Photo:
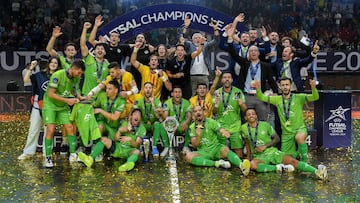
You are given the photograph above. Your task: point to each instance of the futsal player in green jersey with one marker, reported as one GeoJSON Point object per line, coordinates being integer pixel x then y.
{"type": "Point", "coordinates": [151, 111]}
{"type": "Point", "coordinates": [126, 145]}
{"type": "Point", "coordinates": [96, 66]}
{"type": "Point", "coordinates": [63, 91]}
{"type": "Point", "coordinates": [261, 138]}
{"type": "Point", "coordinates": [69, 51]}
{"type": "Point", "coordinates": [108, 108]}
{"type": "Point", "coordinates": [204, 133]}
{"type": "Point", "coordinates": [181, 109]}
{"type": "Point", "coordinates": [229, 101]}
{"type": "Point", "coordinates": [290, 110]}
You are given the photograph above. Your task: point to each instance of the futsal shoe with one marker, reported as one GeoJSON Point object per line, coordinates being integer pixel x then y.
{"type": "Point", "coordinates": [321, 172]}
{"type": "Point", "coordinates": [222, 163]}
{"type": "Point", "coordinates": [128, 166]}
{"type": "Point", "coordinates": [87, 160]}
{"type": "Point", "coordinates": [245, 167]}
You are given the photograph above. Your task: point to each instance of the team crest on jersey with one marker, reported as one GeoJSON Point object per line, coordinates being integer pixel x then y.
{"type": "Point", "coordinates": [55, 80]}
{"type": "Point", "coordinates": [146, 52]}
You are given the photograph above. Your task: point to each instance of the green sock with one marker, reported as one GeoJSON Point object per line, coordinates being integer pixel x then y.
{"type": "Point", "coordinates": [265, 168]}
{"type": "Point", "coordinates": [156, 134]}
{"type": "Point", "coordinates": [98, 148]}
{"type": "Point", "coordinates": [164, 136]}
{"type": "Point", "coordinates": [200, 161]}
{"type": "Point", "coordinates": [302, 166]}
{"type": "Point", "coordinates": [133, 158]}
{"type": "Point", "coordinates": [303, 151]}
{"type": "Point", "coordinates": [72, 143]}
{"type": "Point", "coordinates": [233, 158]}
{"type": "Point", "coordinates": [48, 146]}
{"type": "Point", "coordinates": [187, 139]}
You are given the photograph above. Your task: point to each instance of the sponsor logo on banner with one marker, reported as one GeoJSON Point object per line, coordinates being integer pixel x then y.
{"type": "Point", "coordinates": [337, 121]}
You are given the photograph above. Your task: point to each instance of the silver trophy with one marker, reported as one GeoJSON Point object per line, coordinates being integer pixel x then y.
{"type": "Point", "coordinates": [146, 143]}
{"type": "Point", "coordinates": [170, 124]}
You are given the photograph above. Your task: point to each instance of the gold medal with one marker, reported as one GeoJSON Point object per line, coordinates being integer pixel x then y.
{"type": "Point", "coordinates": [149, 122]}
{"type": "Point", "coordinates": [287, 123]}
{"type": "Point", "coordinates": [200, 126]}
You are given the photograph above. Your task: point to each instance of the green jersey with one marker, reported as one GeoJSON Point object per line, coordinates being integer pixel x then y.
{"type": "Point", "coordinates": [228, 113]}
{"type": "Point", "coordinates": [65, 63]}
{"type": "Point", "coordinates": [258, 136]}
{"type": "Point", "coordinates": [290, 110]}
{"type": "Point", "coordinates": [178, 110]}
{"type": "Point", "coordinates": [65, 87]}
{"type": "Point", "coordinates": [94, 73]}
{"type": "Point", "coordinates": [147, 110]}
{"type": "Point", "coordinates": [136, 132]}
{"type": "Point", "coordinates": [209, 134]}
{"type": "Point", "coordinates": [111, 106]}
{"type": "Point", "coordinates": [83, 115]}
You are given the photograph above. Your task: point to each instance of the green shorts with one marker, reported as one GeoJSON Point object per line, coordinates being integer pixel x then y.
{"type": "Point", "coordinates": [56, 117]}
{"type": "Point", "coordinates": [271, 156]}
{"type": "Point", "coordinates": [117, 150]}
{"type": "Point", "coordinates": [212, 154]}
{"type": "Point", "coordinates": [288, 142]}
{"type": "Point", "coordinates": [107, 128]}
{"type": "Point", "coordinates": [236, 141]}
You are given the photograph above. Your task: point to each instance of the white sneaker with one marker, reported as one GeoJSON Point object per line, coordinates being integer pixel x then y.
{"type": "Point", "coordinates": [48, 162]}
{"type": "Point", "coordinates": [321, 172]}
{"type": "Point", "coordinates": [24, 156]}
{"type": "Point", "coordinates": [288, 168]}
{"type": "Point", "coordinates": [222, 163]}
{"type": "Point", "coordinates": [186, 150]}
{"type": "Point", "coordinates": [73, 158]}
{"type": "Point", "coordinates": [99, 157]}
{"type": "Point", "coordinates": [279, 168]}
{"type": "Point", "coordinates": [164, 152]}
{"type": "Point", "coordinates": [245, 167]}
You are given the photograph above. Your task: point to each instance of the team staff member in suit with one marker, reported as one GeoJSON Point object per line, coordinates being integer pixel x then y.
{"type": "Point", "coordinates": [253, 69]}
{"type": "Point", "coordinates": [290, 67]}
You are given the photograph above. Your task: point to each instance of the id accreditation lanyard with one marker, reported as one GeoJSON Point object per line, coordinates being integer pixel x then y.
{"type": "Point", "coordinates": [177, 113]}
{"type": "Point", "coordinates": [256, 134]}
{"type": "Point", "coordinates": [287, 110]}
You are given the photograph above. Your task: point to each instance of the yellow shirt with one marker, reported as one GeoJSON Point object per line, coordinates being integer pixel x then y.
{"type": "Point", "coordinates": [154, 78]}
{"type": "Point", "coordinates": [206, 104]}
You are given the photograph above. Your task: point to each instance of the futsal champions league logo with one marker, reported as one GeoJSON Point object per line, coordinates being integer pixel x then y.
{"type": "Point", "coordinates": [337, 121]}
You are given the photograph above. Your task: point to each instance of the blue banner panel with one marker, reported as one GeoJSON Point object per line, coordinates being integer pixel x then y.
{"type": "Point", "coordinates": [333, 119]}
{"type": "Point", "coordinates": [166, 16]}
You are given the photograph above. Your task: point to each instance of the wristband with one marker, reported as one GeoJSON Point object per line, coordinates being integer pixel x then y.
{"type": "Point", "coordinates": [163, 78]}
{"type": "Point", "coordinates": [128, 93]}
{"type": "Point", "coordinates": [136, 49]}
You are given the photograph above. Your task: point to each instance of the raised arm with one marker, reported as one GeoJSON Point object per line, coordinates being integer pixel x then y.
{"type": "Point", "coordinates": [314, 92]}
{"type": "Point", "coordinates": [83, 47]}
{"type": "Point", "coordinates": [98, 22]}
{"type": "Point", "coordinates": [216, 80]}
{"type": "Point", "coordinates": [50, 46]}
{"type": "Point", "coordinates": [199, 49]}
{"type": "Point", "coordinates": [29, 71]}
{"type": "Point", "coordinates": [133, 58]}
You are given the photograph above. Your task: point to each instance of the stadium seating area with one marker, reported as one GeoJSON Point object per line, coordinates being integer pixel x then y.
{"type": "Point", "coordinates": [27, 24]}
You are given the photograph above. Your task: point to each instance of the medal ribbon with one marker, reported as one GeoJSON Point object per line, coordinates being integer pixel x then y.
{"type": "Point", "coordinates": [226, 103]}
{"type": "Point", "coordinates": [286, 111]}
{"type": "Point", "coordinates": [177, 114]}
{"type": "Point", "coordinates": [256, 134]}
